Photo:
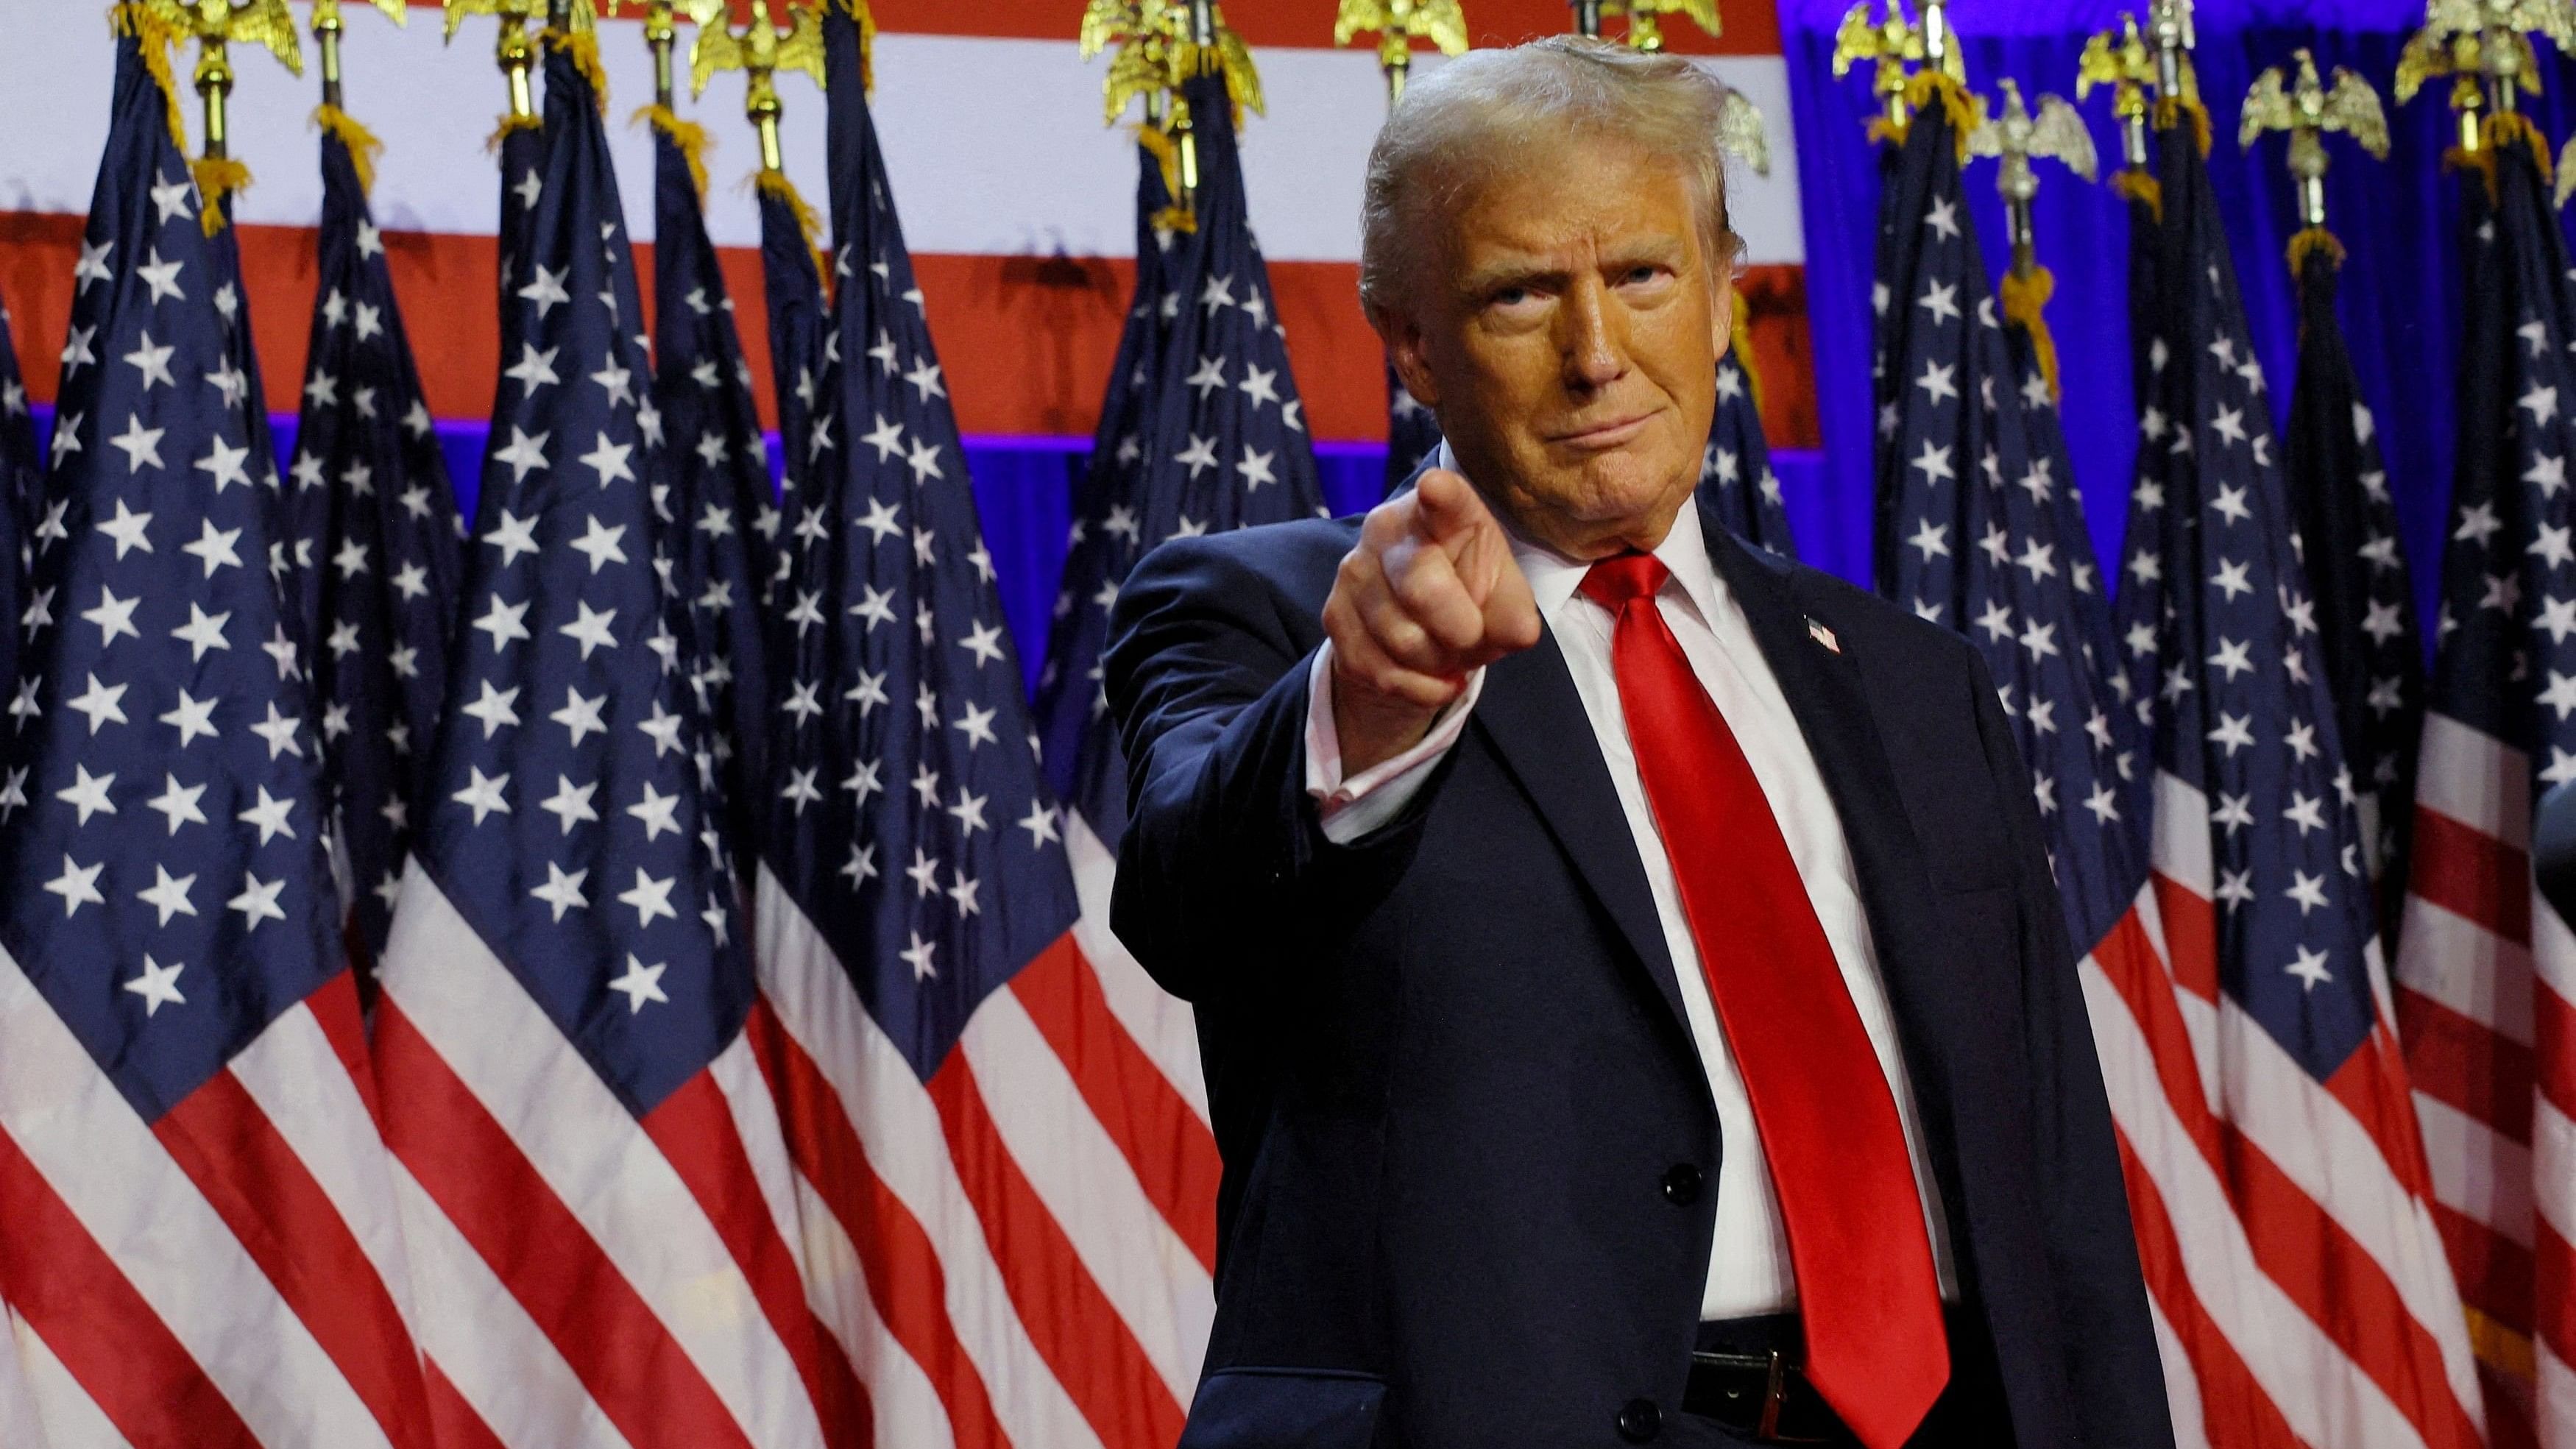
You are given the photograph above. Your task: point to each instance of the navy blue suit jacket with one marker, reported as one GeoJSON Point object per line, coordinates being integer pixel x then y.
{"type": "Point", "coordinates": [1469, 1146]}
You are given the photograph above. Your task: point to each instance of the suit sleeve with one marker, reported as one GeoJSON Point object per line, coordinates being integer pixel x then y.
{"type": "Point", "coordinates": [2111, 1361]}
{"type": "Point", "coordinates": [1225, 870]}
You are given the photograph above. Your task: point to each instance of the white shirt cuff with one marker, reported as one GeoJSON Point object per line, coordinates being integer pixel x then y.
{"type": "Point", "coordinates": [1359, 806]}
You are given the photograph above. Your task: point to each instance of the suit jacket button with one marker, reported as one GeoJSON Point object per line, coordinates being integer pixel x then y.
{"type": "Point", "coordinates": [1640, 1420]}
{"type": "Point", "coordinates": [1681, 1184]}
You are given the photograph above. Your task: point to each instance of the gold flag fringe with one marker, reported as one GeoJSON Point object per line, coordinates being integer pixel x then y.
{"type": "Point", "coordinates": [858, 10]}
{"type": "Point", "coordinates": [1933, 85]}
{"type": "Point", "coordinates": [775, 184]}
{"type": "Point", "coordinates": [2500, 130]}
{"type": "Point", "coordinates": [2139, 184]}
{"type": "Point", "coordinates": [2309, 242]}
{"type": "Point", "coordinates": [689, 136]}
{"type": "Point", "coordinates": [156, 38]}
{"type": "Point", "coordinates": [509, 124]}
{"type": "Point", "coordinates": [2025, 298]}
{"type": "Point", "coordinates": [217, 177]}
{"type": "Point", "coordinates": [1739, 343]}
{"type": "Point", "coordinates": [362, 143]}
{"type": "Point", "coordinates": [2170, 111]}
{"type": "Point", "coordinates": [583, 47]}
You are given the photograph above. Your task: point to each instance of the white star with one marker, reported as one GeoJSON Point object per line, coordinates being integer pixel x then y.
{"type": "Point", "coordinates": [608, 460]}
{"type": "Point", "coordinates": [269, 815]}
{"type": "Point", "coordinates": [279, 731]}
{"type": "Point", "coordinates": [2234, 732]}
{"type": "Point", "coordinates": [1941, 299]}
{"type": "Point", "coordinates": [800, 790]}
{"type": "Point", "coordinates": [92, 266]}
{"type": "Point", "coordinates": [2542, 402]}
{"type": "Point", "coordinates": [504, 622]}
{"type": "Point", "coordinates": [1935, 462]}
{"type": "Point", "coordinates": [159, 984]}
{"type": "Point", "coordinates": [88, 793]}
{"type": "Point", "coordinates": [113, 616]}
{"type": "Point", "coordinates": [2234, 657]}
{"type": "Point", "coordinates": [641, 983]}
{"type": "Point", "coordinates": [617, 382]}
{"type": "Point", "coordinates": [663, 728]}
{"type": "Point", "coordinates": [2103, 803]}
{"type": "Point", "coordinates": [179, 803]}
{"type": "Point", "coordinates": [483, 794]}
{"type": "Point", "coordinates": [923, 459]}
{"type": "Point", "coordinates": [657, 811]}
{"type": "Point", "coordinates": [1201, 453]}
{"type": "Point", "coordinates": [258, 901]}
{"type": "Point", "coordinates": [649, 897]}
{"type": "Point", "coordinates": [2231, 578]}
{"type": "Point", "coordinates": [513, 536]}
{"type": "Point", "coordinates": [100, 703]}
{"type": "Point", "coordinates": [1936, 383]}
{"type": "Point", "coordinates": [494, 709]}
{"type": "Point", "coordinates": [547, 290]}
{"type": "Point", "coordinates": [77, 885]}
{"type": "Point", "coordinates": [1040, 824]}
{"type": "Point", "coordinates": [984, 641]}
{"type": "Point", "coordinates": [590, 628]}
{"type": "Point", "coordinates": [802, 701]}
{"type": "Point", "coordinates": [562, 889]}
{"type": "Point", "coordinates": [918, 957]}
{"type": "Point", "coordinates": [969, 811]}
{"type": "Point", "coordinates": [2310, 968]}
{"type": "Point", "coordinates": [152, 362]}
{"type": "Point", "coordinates": [977, 726]}
{"type": "Point", "coordinates": [534, 369]}
{"type": "Point", "coordinates": [925, 376]}
{"type": "Point", "coordinates": [2305, 812]}
{"type": "Point", "coordinates": [162, 277]}
{"type": "Point", "coordinates": [524, 453]}
{"type": "Point", "coordinates": [141, 445]}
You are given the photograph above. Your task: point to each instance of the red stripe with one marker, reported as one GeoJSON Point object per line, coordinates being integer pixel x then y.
{"type": "Point", "coordinates": [2298, 1244]}
{"type": "Point", "coordinates": [336, 1010]}
{"type": "Point", "coordinates": [454, 1422]}
{"type": "Point", "coordinates": [2462, 1063]}
{"type": "Point", "coordinates": [697, 1135]}
{"type": "Point", "coordinates": [2470, 873]}
{"type": "Point", "coordinates": [110, 1341]}
{"type": "Point", "coordinates": [1075, 1327]}
{"type": "Point", "coordinates": [2234, 1410]}
{"type": "Point", "coordinates": [904, 1277]}
{"type": "Point", "coordinates": [2191, 937]}
{"type": "Point", "coordinates": [269, 1199]}
{"type": "Point", "coordinates": [2372, 1085]}
{"type": "Point", "coordinates": [2494, 1272]}
{"type": "Point", "coordinates": [2554, 1291]}
{"type": "Point", "coordinates": [1027, 341]}
{"type": "Point", "coordinates": [636, 1372]}
{"type": "Point", "coordinates": [1172, 1151]}
{"type": "Point", "coordinates": [2553, 1033]}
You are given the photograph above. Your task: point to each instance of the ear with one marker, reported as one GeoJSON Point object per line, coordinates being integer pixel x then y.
{"type": "Point", "coordinates": [1721, 309]}
{"type": "Point", "coordinates": [1402, 333]}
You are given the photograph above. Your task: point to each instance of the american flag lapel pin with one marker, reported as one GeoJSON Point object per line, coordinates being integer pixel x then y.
{"type": "Point", "coordinates": [1824, 636]}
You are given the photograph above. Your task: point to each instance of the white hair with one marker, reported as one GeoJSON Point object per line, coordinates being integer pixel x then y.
{"type": "Point", "coordinates": [1467, 120]}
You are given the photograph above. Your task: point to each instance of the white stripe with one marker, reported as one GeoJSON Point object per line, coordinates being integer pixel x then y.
{"type": "Point", "coordinates": [904, 1407]}
{"type": "Point", "coordinates": [2553, 1156]}
{"type": "Point", "coordinates": [494, 1355]}
{"type": "Point", "coordinates": [149, 1218]}
{"type": "Point", "coordinates": [2323, 1395]}
{"type": "Point", "coordinates": [755, 1120]}
{"type": "Point", "coordinates": [2319, 1145]}
{"type": "Point", "coordinates": [305, 1091]}
{"type": "Point", "coordinates": [18, 1423]}
{"type": "Point", "coordinates": [1037, 173]}
{"type": "Point", "coordinates": [1148, 1274]}
{"type": "Point", "coordinates": [2181, 835]}
{"type": "Point", "coordinates": [2553, 948]}
{"type": "Point", "coordinates": [71, 1419]}
{"type": "Point", "coordinates": [2475, 778]}
{"type": "Point", "coordinates": [2478, 1172]}
{"type": "Point", "coordinates": [593, 1155]}
{"type": "Point", "coordinates": [2182, 1382]}
{"type": "Point", "coordinates": [2447, 958]}
{"type": "Point", "coordinates": [2554, 1401]}
{"type": "Point", "coordinates": [1161, 1024]}
{"type": "Point", "coordinates": [899, 1128]}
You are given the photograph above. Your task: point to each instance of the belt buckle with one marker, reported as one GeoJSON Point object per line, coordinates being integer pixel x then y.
{"type": "Point", "coordinates": [1775, 1396]}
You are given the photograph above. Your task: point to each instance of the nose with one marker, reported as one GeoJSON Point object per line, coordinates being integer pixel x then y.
{"type": "Point", "coordinates": [1592, 337]}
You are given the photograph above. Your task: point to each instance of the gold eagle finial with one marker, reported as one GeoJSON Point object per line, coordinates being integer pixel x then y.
{"type": "Point", "coordinates": [2307, 108]}
{"type": "Point", "coordinates": [1645, 18]}
{"type": "Point", "coordinates": [1398, 24]}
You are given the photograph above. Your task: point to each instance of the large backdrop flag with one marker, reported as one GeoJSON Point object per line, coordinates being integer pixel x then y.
{"type": "Point", "coordinates": [595, 1189]}
{"type": "Point", "coordinates": [721, 511]}
{"type": "Point", "coordinates": [368, 494]}
{"type": "Point", "coordinates": [2486, 970]}
{"type": "Point", "coordinates": [201, 1228]}
{"type": "Point", "coordinates": [2275, 1168]}
{"type": "Point", "coordinates": [986, 1154]}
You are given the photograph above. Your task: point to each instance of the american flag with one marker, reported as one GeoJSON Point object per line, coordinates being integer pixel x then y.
{"type": "Point", "coordinates": [2048, 451]}
{"type": "Point", "coordinates": [996, 1221]}
{"type": "Point", "coordinates": [368, 485]}
{"type": "Point", "coordinates": [2486, 972]}
{"type": "Point", "coordinates": [1977, 505]}
{"type": "Point", "coordinates": [804, 359]}
{"type": "Point", "coordinates": [1735, 467]}
{"type": "Point", "coordinates": [595, 1193]}
{"type": "Point", "coordinates": [2276, 1179]}
{"type": "Point", "coordinates": [22, 482]}
{"type": "Point", "coordinates": [726, 516]}
{"type": "Point", "coordinates": [202, 1240]}
{"type": "Point", "coordinates": [2347, 529]}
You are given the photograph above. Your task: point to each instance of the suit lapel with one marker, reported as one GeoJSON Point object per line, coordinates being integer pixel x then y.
{"type": "Point", "coordinates": [1536, 722]}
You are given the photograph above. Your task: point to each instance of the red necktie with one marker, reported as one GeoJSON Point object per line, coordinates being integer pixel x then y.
{"type": "Point", "coordinates": [1869, 1301]}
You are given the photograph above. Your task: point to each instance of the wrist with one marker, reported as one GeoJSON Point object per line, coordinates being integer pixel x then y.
{"type": "Point", "coordinates": [1373, 727]}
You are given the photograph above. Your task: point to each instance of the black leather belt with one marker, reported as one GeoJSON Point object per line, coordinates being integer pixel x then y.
{"type": "Point", "coordinates": [1761, 1395]}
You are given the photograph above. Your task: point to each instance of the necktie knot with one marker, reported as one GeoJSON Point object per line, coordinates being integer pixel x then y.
{"type": "Point", "coordinates": [1621, 577]}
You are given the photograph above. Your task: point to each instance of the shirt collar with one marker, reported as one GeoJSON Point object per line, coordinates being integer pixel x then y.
{"type": "Point", "coordinates": [1554, 579]}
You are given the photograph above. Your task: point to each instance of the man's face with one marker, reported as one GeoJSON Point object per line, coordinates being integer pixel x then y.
{"type": "Point", "coordinates": [1567, 329]}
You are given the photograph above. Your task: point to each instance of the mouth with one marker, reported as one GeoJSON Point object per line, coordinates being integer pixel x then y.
{"type": "Point", "coordinates": [1603, 436]}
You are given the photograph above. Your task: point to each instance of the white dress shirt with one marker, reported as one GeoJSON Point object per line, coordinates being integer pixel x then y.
{"type": "Point", "coordinates": [1749, 1270]}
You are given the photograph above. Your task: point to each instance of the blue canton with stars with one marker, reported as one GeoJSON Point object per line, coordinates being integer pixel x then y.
{"type": "Point", "coordinates": [906, 816]}
{"type": "Point", "coordinates": [1216, 442]}
{"type": "Point", "coordinates": [2506, 663]}
{"type": "Point", "coordinates": [2223, 659]}
{"type": "Point", "coordinates": [22, 482]}
{"type": "Point", "coordinates": [163, 874]}
{"type": "Point", "coordinates": [1977, 509]}
{"type": "Point", "coordinates": [2048, 449]}
{"type": "Point", "coordinates": [368, 489]}
{"type": "Point", "coordinates": [2365, 598]}
{"type": "Point", "coordinates": [721, 502]}
{"type": "Point", "coordinates": [1735, 467]}
{"type": "Point", "coordinates": [804, 356]}
{"type": "Point", "coordinates": [568, 821]}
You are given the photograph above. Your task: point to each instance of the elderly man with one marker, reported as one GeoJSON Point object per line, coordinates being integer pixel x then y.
{"type": "Point", "coordinates": [1635, 1003]}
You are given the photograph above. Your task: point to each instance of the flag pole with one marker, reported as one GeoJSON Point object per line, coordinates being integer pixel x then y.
{"type": "Point", "coordinates": [1891, 43]}
{"type": "Point", "coordinates": [1398, 24]}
